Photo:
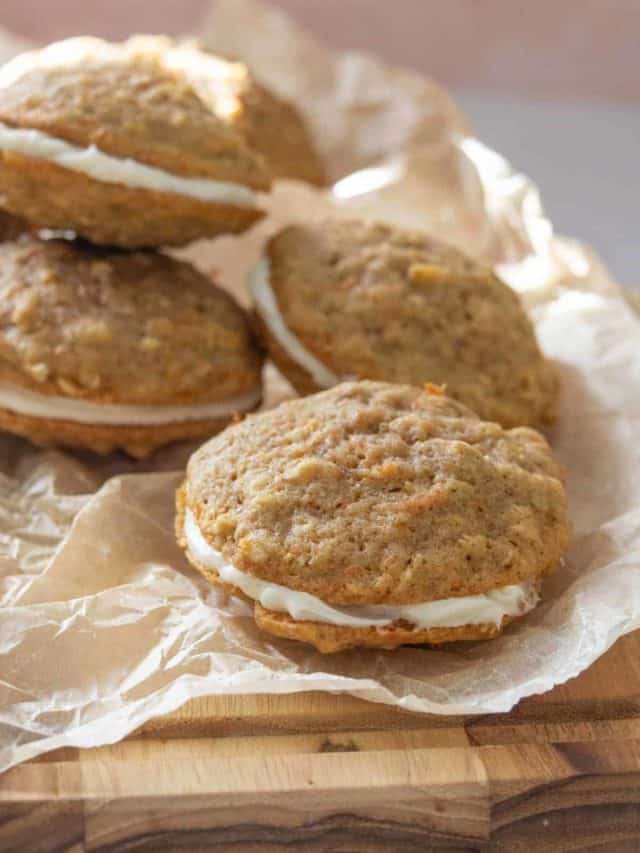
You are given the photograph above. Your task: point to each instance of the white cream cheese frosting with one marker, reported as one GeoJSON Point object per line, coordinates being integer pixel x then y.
{"type": "Point", "coordinates": [25, 402]}
{"type": "Point", "coordinates": [487, 608]}
{"type": "Point", "coordinates": [103, 167]}
{"type": "Point", "coordinates": [267, 306]}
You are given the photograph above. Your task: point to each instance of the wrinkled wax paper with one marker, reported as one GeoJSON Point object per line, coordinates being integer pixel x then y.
{"type": "Point", "coordinates": [104, 626]}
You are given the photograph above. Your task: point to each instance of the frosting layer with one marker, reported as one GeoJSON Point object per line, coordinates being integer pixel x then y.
{"type": "Point", "coordinates": [25, 402]}
{"type": "Point", "coordinates": [96, 164]}
{"type": "Point", "coordinates": [488, 608]}
{"type": "Point", "coordinates": [267, 307]}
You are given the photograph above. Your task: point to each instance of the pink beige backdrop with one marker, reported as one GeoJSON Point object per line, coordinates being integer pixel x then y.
{"type": "Point", "coordinates": [546, 47]}
{"type": "Point", "coordinates": [553, 85]}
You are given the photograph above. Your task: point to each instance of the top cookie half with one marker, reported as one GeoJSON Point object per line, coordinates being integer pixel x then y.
{"type": "Point", "coordinates": [269, 124]}
{"type": "Point", "coordinates": [344, 299]}
{"type": "Point", "coordinates": [115, 143]}
{"type": "Point", "coordinates": [374, 493]}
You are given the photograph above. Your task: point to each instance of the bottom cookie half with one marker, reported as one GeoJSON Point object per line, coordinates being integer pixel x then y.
{"type": "Point", "coordinates": [329, 638]}
{"type": "Point", "coordinates": [137, 441]}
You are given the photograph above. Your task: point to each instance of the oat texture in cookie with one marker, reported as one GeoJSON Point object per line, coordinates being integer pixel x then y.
{"type": "Point", "coordinates": [94, 342]}
{"type": "Point", "coordinates": [344, 299]}
{"type": "Point", "coordinates": [112, 142]}
{"type": "Point", "coordinates": [387, 514]}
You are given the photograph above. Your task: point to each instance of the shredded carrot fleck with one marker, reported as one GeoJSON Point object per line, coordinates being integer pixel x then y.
{"type": "Point", "coordinates": [437, 390]}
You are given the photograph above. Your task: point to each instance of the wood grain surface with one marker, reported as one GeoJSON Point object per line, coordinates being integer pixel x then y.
{"type": "Point", "coordinates": [317, 772]}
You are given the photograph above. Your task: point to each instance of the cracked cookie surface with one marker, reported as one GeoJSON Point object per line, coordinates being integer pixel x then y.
{"type": "Point", "coordinates": [372, 301]}
{"type": "Point", "coordinates": [372, 493]}
{"type": "Point", "coordinates": [123, 328]}
{"type": "Point", "coordinates": [129, 103]}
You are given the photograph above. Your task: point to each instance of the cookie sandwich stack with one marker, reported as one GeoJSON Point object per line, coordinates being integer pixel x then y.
{"type": "Point", "coordinates": [407, 499]}
{"type": "Point", "coordinates": [106, 342]}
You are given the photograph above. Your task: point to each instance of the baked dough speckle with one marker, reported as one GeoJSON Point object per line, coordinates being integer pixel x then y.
{"type": "Point", "coordinates": [126, 102]}
{"type": "Point", "coordinates": [269, 124]}
{"type": "Point", "coordinates": [373, 301]}
{"type": "Point", "coordinates": [337, 638]}
{"type": "Point", "coordinates": [372, 493]}
{"type": "Point", "coordinates": [124, 328]}
{"type": "Point", "coordinates": [274, 128]}
{"type": "Point", "coordinates": [119, 327]}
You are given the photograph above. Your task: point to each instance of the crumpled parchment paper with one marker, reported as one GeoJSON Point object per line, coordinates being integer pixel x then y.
{"type": "Point", "coordinates": [102, 623]}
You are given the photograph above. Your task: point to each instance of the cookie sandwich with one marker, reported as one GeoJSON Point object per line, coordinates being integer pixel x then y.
{"type": "Point", "coordinates": [113, 142]}
{"type": "Point", "coordinates": [348, 299]}
{"type": "Point", "coordinates": [375, 515]}
{"type": "Point", "coordinates": [107, 350]}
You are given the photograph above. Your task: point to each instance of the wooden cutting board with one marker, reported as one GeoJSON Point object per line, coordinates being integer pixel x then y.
{"type": "Point", "coordinates": [317, 772]}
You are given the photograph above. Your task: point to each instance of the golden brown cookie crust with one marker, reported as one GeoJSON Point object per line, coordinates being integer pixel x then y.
{"type": "Point", "coordinates": [49, 196]}
{"type": "Point", "coordinates": [129, 106]}
{"type": "Point", "coordinates": [119, 327]}
{"type": "Point", "coordinates": [137, 441]}
{"type": "Point", "coordinates": [373, 301]}
{"type": "Point", "coordinates": [275, 128]}
{"type": "Point", "coordinates": [335, 638]}
{"type": "Point", "coordinates": [270, 125]}
{"type": "Point", "coordinates": [374, 493]}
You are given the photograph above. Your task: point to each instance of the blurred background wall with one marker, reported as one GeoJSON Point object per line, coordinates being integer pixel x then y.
{"type": "Point", "coordinates": [553, 85]}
